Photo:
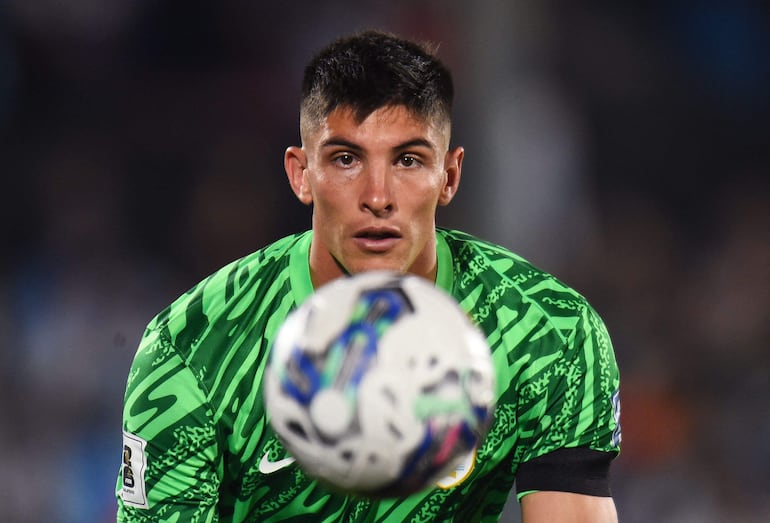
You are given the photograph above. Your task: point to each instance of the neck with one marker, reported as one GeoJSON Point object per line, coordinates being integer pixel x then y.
{"type": "Point", "coordinates": [324, 267]}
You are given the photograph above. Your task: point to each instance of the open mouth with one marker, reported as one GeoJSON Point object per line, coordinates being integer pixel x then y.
{"type": "Point", "coordinates": [377, 240]}
{"type": "Point", "coordinates": [376, 235]}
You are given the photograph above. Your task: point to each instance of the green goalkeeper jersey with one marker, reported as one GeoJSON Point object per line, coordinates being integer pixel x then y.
{"type": "Point", "coordinates": [197, 446]}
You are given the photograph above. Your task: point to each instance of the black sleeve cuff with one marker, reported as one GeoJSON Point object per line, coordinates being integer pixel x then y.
{"type": "Point", "coordinates": [579, 470]}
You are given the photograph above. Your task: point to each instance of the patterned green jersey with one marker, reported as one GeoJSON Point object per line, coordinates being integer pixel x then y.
{"type": "Point", "coordinates": [197, 444]}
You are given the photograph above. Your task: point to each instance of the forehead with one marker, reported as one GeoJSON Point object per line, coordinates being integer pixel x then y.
{"type": "Point", "coordinates": [390, 123]}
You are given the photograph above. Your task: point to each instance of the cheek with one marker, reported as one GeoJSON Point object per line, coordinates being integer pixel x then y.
{"type": "Point", "coordinates": [328, 199]}
{"type": "Point", "coordinates": [425, 199]}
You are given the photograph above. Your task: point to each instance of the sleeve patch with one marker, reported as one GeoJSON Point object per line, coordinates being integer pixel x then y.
{"type": "Point", "coordinates": [616, 434]}
{"type": "Point", "coordinates": [133, 468]}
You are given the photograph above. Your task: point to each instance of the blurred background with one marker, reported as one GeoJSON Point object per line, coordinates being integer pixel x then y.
{"type": "Point", "coordinates": [624, 147]}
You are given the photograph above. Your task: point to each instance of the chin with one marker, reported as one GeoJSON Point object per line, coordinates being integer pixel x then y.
{"type": "Point", "coordinates": [368, 266]}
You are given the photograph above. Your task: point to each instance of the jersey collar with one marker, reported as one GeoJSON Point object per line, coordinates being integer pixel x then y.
{"type": "Point", "coordinates": [299, 266]}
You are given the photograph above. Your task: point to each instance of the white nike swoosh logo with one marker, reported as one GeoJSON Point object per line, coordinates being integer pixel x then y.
{"type": "Point", "coordinates": [268, 467]}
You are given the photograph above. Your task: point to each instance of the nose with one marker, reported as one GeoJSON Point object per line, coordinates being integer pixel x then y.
{"type": "Point", "coordinates": [377, 194]}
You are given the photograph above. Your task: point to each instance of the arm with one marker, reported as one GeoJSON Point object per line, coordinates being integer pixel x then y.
{"type": "Point", "coordinates": [566, 507]}
{"type": "Point", "coordinates": [170, 468]}
{"type": "Point", "coordinates": [578, 427]}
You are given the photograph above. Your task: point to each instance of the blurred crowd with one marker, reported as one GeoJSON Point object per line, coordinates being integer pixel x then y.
{"type": "Point", "coordinates": [625, 148]}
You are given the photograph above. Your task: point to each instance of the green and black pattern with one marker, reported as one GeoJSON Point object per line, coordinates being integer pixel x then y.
{"type": "Point", "coordinates": [194, 391]}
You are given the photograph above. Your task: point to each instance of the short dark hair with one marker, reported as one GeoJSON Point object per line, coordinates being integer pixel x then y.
{"type": "Point", "coordinates": [371, 70]}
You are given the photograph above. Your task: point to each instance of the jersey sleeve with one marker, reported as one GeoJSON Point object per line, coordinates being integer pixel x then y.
{"type": "Point", "coordinates": [171, 468]}
{"type": "Point", "coordinates": [568, 410]}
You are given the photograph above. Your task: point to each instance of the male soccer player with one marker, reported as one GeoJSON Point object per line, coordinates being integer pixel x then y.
{"type": "Point", "coordinates": [375, 163]}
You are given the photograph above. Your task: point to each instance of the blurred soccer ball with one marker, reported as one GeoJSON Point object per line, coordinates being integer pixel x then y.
{"type": "Point", "coordinates": [379, 385]}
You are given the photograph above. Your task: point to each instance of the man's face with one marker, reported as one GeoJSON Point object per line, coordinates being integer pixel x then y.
{"type": "Point", "coordinates": [375, 186]}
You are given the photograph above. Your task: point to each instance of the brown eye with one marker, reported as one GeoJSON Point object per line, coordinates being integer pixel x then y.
{"type": "Point", "coordinates": [344, 160]}
{"type": "Point", "coordinates": [407, 161]}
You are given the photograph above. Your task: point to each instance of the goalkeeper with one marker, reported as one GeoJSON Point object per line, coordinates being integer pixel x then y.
{"type": "Point", "coordinates": [375, 162]}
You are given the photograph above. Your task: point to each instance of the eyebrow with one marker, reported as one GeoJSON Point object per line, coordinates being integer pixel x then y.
{"type": "Point", "coordinates": [417, 142]}
{"type": "Point", "coordinates": [341, 142]}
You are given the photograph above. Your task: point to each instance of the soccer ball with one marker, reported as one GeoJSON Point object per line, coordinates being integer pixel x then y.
{"type": "Point", "coordinates": [379, 385]}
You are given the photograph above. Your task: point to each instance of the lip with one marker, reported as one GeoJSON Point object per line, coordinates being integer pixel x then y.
{"type": "Point", "coordinates": [376, 239]}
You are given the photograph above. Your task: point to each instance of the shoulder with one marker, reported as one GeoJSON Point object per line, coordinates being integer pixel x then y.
{"type": "Point", "coordinates": [472, 256]}
{"type": "Point", "coordinates": [481, 267]}
{"type": "Point", "coordinates": [227, 298]}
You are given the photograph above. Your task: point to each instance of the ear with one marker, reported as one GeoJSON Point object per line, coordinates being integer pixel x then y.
{"type": "Point", "coordinates": [295, 164]}
{"type": "Point", "coordinates": [453, 166]}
